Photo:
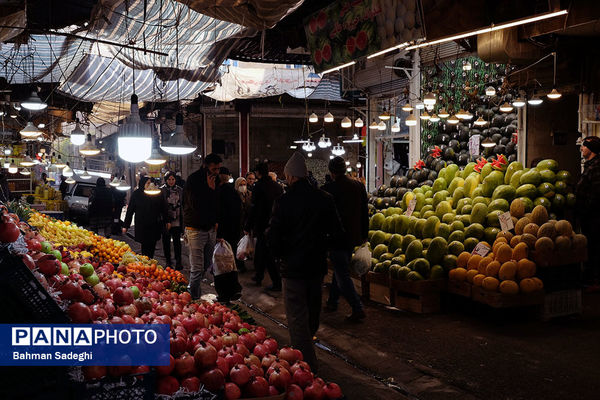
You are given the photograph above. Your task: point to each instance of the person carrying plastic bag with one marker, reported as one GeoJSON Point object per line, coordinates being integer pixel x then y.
{"type": "Point", "coordinates": [225, 272]}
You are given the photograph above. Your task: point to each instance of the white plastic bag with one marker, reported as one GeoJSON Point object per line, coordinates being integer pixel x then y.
{"type": "Point", "coordinates": [361, 260]}
{"type": "Point", "coordinates": [245, 248]}
{"type": "Point", "coordinates": [223, 258]}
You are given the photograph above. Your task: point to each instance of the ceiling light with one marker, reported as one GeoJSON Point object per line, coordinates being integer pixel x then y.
{"type": "Point", "coordinates": [25, 171]}
{"type": "Point", "coordinates": [6, 163]}
{"type": "Point", "coordinates": [396, 127]}
{"type": "Point", "coordinates": [338, 67]}
{"type": "Point", "coordinates": [86, 174]}
{"type": "Point", "coordinates": [466, 66]}
{"type": "Point", "coordinates": [425, 116]}
{"type": "Point", "coordinates": [309, 146]}
{"type": "Point", "coordinates": [379, 53]}
{"type": "Point", "coordinates": [17, 106]}
{"type": "Point", "coordinates": [443, 113]}
{"type": "Point", "coordinates": [519, 102]}
{"type": "Point", "coordinates": [429, 107]}
{"type": "Point", "coordinates": [155, 157]}
{"type": "Point", "coordinates": [468, 116]}
{"type": "Point", "coordinates": [88, 149]}
{"type": "Point", "coordinates": [27, 161]}
{"type": "Point", "coordinates": [41, 125]}
{"type": "Point", "coordinates": [178, 143]}
{"type": "Point", "coordinates": [358, 123]}
{"type": "Point", "coordinates": [30, 131]}
{"type": "Point", "coordinates": [554, 94]}
{"type": "Point", "coordinates": [488, 142]}
{"type": "Point", "coordinates": [59, 163]}
{"type": "Point", "coordinates": [70, 180]}
{"type": "Point", "coordinates": [13, 115]}
{"type": "Point", "coordinates": [7, 151]}
{"type": "Point", "coordinates": [313, 118]}
{"type": "Point", "coordinates": [123, 185]}
{"type": "Point", "coordinates": [382, 126]}
{"type": "Point", "coordinates": [535, 100]}
{"type": "Point", "coordinates": [324, 142]}
{"type": "Point", "coordinates": [34, 103]}
{"type": "Point", "coordinates": [480, 122]}
{"type": "Point", "coordinates": [358, 165]}
{"type": "Point", "coordinates": [355, 139]}
{"type": "Point", "coordinates": [411, 120]}
{"type": "Point", "coordinates": [490, 91]}
{"type": "Point", "coordinates": [346, 123]}
{"type": "Point", "coordinates": [12, 168]}
{"type": "Point", "coordinates": [374, 125]}
{"type": "Point", "coordinates": [434, 118]}
{"type": "Point", "coordinates": [506, 107]}
{"type": "Point", "coordinates": [135, 137]}
{"type": "Point", "coordinates": [77, 135]}
{"type": "Point", "coordinates": [293, 147]}
{"type": "Point", "coordinates": [429, 99]}
{"type": "Point", "coordinates": [115, 182]}
{"type": "Point", "coordinates": [338, 150]}
{"type": "Point", "coordinates": [407, 107]}
{"type": "Point", "coordinates": [328, 117]}
{"type": "Point", "coordinates": [67, 171]}
{"type": "Point", "coordinates": [331, 156]}
{"type": "Point", "coordinates": [419, 105]}
{"type": "Point", "coordinates": [461, 114]}
{"type": "Point", "coordinates": [385, 115]}
{"type": "Point", "coordinates": [309, 155]}
{"type": "Point", "coordinates": [453, 120]}
{"type": "Point", "coordinates": [152, 189]}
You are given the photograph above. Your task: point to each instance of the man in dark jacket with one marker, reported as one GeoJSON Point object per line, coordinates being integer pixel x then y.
{"type": "Point", "coordinates": [264, 194]}
{"type": "Point", "coordinates": [200, 212]}
{"type": "Point", "coordinates": [303, 227]}
{"type": "Point", "coordinates": [101, 208]}
{"type": "Point", "coordinates": [588, 204]}
{"type": "Point", "coordinates": [351, 202]}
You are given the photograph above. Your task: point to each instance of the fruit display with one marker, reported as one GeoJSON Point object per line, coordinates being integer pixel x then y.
{"type": "Point", "coordinates": [458, 210]}
{"type": "Point", "coordinates": [61, 232]}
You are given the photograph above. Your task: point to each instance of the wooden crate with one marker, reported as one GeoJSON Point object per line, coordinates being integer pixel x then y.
{"type": "Point", "coordinates": [458, 288]}
{"type": "Point", "coordinates": [376, 287]}
{"type": "Point", "coordinates": [420, 297]}
{"type": "Point", "coordinates": [562, 303]}
{"type": "Point", "coordinates": [556, 259]}
{"type": "Point", "coordinates": [501, 300]}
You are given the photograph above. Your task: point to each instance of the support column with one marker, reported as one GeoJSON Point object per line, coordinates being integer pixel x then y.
{"type": "Point", "coordinates": [244, 139]}
{"type": "Point", "coordinates": [207, 137]}
{"type": "Point", "coordinates": [414, 132]}
{"type": "Point", "coordinates": [522, 135]}
{"type": "Point", "coordinates": [380, 161]}
{"type": "Point", "coordinates": [371, 156]}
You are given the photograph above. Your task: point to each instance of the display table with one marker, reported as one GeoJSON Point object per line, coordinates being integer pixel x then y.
{"type": "Point", "coordinates": [60, 215]}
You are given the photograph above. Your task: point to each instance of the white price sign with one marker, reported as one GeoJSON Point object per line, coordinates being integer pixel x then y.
{"type": "Point", "coordinates": [481, 249]}
{"type": "Point", "coordinates": [506, 222]}
{"type": "Point", "coordinates": [411, 207]}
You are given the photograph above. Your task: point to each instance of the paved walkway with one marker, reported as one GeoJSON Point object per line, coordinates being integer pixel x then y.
{"type": "Point", "coordinates": [465, 352]}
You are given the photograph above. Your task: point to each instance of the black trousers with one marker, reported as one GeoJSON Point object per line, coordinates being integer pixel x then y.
{"type": "Point", "coordinates": [263, 260]}
{"type": "Point", "coordinates": [227, 286]}
{"type": "Point", "coordinates": [148, 247]}
{"type": "Point", "coordinates": [175, 234]}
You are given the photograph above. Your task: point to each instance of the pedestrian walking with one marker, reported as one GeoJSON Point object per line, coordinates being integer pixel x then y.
{"type": "Point", "coordinates": [101, 207]}
{"type": "Point", "coordinates": [251, 180]}
{"type": "Point", "coordinates": [241, 187]}
{"type": "Point", "coordinates": [351, 202]}
{"type": "Point", "coordinates": [150, 216]}
{"type": "Point", "coordinates": [200, 212]}
{"type": "Point", "coordinates": [266, 190]}
{"type": "Point", "coordinates": [173, 196]}
{"type": "Point", "coordinates": [63, 187]}
{"type": "Point", "coordinates": [588, 204]}
{"type": "Point", "coordinates": [303, 227]}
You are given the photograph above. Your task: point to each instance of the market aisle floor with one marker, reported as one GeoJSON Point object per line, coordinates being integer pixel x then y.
{"type": "Point", "coordinates": [465, 352]}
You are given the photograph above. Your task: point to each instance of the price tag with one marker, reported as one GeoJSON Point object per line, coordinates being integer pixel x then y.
{"type": "Point", "coordinates": [411, 207]}
{"type": "Point", "coordinates": [481, 249]}
{"type": "Point", "coordinates": [506, 223]}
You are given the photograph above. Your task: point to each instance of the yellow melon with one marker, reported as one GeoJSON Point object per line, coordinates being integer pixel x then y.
{"type": "Point", "coordinates": [525, 268]}
{"type": "Point", "coordinates": [528, 285]}
{"type": "Point", "coordinates": [478, 279]}
{"type": "Point", "coordinates": [505, 234]}
{"type": "Point", "coordinates": [458, 274]}
{"type": "Point", "coordinates": [529, 240]}
{"type": "Point", "coordinates": [497, 243]}
{"type": "Point", "coordinates": [520, 225]}
{"type": "Point", "coordinates": [538, 282]}
{"type": "Point", "coordinates": [563, 227]}
{"type": "Point", "coordinates": [474, 262]}
{"type": "Point", "coordinates": [547, 230]}
{"type": "Point", "coordinates": [463, 259]}
{"type": "Point", "coordinates": [539, 215]}
{"type": "Point", "coordinates": [515, 241]}
{"type": "Point", "coordinates": [508, 271]}
{"type": "Point", "coordinates": [490, 283]}
{"type": "Point", "coordinates": [531, 228]}
{"type": "Point", "coordinates": [544, 245]}
{"type": "Point", "coordinates": [484, 263]}
{"type": "Point", "coordinates": [562, 244]}
{"type": "Point", "coordinates": [471, 274]}
{"type": "Point", "coordinates": [509, 287]}
{"type": "Point", "coordinates": [579, 242]}
{"type": "Point", "coordinates": [517, 208]}
{"type": "Point", "coordinates": [492, 269]}
{"type": "Point", "coordinates": [520, 251]}
{"type": "Point", "coordinates": [503, 253]}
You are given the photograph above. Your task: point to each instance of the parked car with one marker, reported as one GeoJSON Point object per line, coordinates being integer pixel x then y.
{"type": "Point", "coordinates": [78, 199]}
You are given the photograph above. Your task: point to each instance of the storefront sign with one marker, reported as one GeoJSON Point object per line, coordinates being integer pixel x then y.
{"type": "Point", "coordinates": [350, 29]}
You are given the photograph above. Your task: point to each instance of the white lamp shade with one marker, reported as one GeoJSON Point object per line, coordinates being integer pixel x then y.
{"type": "Point", "coordinates": [178, 143]}
{"type": "Point", "coordinates": [346, 122]}
{"type": "Point", "coordinates": [328, 117]}
{"type": "Point", "coordinates": [77, 135]}
{"type": "Point", "coordinates": [135, 137]}
{"type": "Point", "coordinates": [34, 103]}
{"type": "Point", "coordinates": [30, 131]}
{"type": "Point", "coordinates": [358, 123]}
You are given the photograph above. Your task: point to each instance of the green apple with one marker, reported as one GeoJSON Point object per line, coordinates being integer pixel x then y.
{"type": "Point", "coordinates": [93, 279]}
{"type": "Point", "coordinates": [46, 247]}
{"type": "Point", "coordinates": [86, 269]}
{"type": "Point", "coordinates": [136, 291]}
{"type": "Point", "coordinates": [56, 254]}
{"type": "Point", "coordinates": [64, 268]}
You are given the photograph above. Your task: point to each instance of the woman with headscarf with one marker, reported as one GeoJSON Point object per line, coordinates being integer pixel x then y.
{"type": "Point", "coordinates": [241, 188]}
{"type": "Point", "coordinates": [173, 195]}
{"type": "Point", "coordinates": [101, 207]}
{"type": "Point", "coordinates": [150, 216]}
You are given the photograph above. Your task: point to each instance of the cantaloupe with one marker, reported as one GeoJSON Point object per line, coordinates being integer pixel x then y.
{"type": "Point", "coordinates": [509, 287]}
{"type": "Point", "coordinates": [539, 215]}
{"type": "Point", "coordinates": [520, 251]}
{"type": "Point", "coordinates": [484, 263]}
{"type": "Point", "coordinates": [579, 242]}
{"type": "Point", "coordinates": [521, 224]}
{"type": "Point", "coordinates": [490, 283]}
{"type": "Point", "coordinates": [528, 285]}
{"type": "Point", "coordinates": [564, 228]}
{"type": "Point", "coordinates": [463, 259]}
{"type": "Point", "coordinates": [478, 279]}
{"type": "Point", "coordinates": [517, 208]}
{"type": "Point", "coordinates": [474, 262]}
{"type": "Point", "coordinates": [503, 254]}
{"type": "Point", "coordinates": [538, 282]}
{"type": "Point", "coordinates": [544, 245]}
{"type": "Point", "coordinates": [562, 244]}
{"type": "Point", "coordinates": [531, 228]}
{"type": "Point", "coordinates": [547, 230]}
{"type": "Point", "coordinates": [492, 269]}
{"type": "Point", "coordinates": [508, 271]}
{"type": "Point", "coordinates": [458, 274]}
{"type": "Point", "coordinates": [525, 268]}
{"type": "Point", "coordinates": [471, 274]}
{"type": "Point", "coordinates": [515, 240]}
{"type": "Point", "coordinates": [505, 234]}
{"type": "Point", "coordinates": [529, 240]}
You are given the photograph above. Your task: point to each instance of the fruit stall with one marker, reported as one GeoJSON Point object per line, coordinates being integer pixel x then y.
{"type": "Point", "coordinates": [493, 232]}
{"type": "Point", "coordinates": [79, 277]}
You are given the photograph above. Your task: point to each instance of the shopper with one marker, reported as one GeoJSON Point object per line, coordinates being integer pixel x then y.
{"type": "Point", "coordinates": [241, 187]}
{"type": "Point", "coordinates": [304, 225]}
{"type": "Point", "coordinates": [200, 211]}
{"type": "Point", "coordinates": [251, 180]}
{"type": "Point", "coordinates": [351, 203]}
{"type": "Point", "coordinates": [150, 216]}
{"type": "Point", "coordinates": [588, 204]}
{"type": "Point", "coordinates": [120, 198]}
{"type": "Point", "coordinates": [173, 196]}
{"type": "Point", "coordinates": [64, 187]}
{"type": "Point", "coordinates": [101, 208]}
{"type": "Point", "coordinates": [266, 190]}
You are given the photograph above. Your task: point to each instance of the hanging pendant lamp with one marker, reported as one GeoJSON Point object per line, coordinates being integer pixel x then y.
{"type": "Point", "coordinates": [178, 143]}
{"type": "Point", "coordinates": [123, 186]}
{"type": "Point", "coordinates": [88, 148]}
{"type": "Point", "coordinates": [33, 102]}
{"type": "Point", "coordinates": [135, 137]}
